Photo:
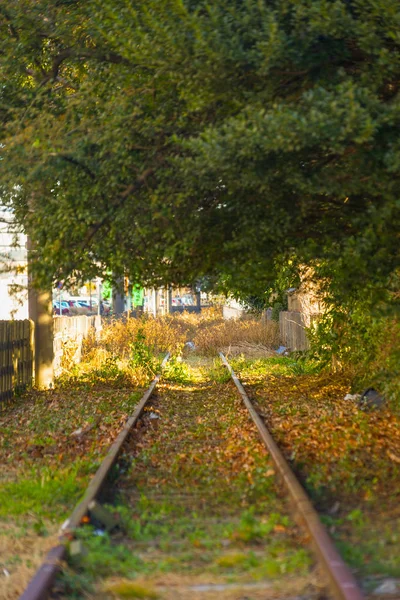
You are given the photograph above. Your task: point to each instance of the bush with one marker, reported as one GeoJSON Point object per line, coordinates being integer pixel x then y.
{"type": "Point", "coordinates": [164, 334]}
{"type": "Point", "coordinates": [365, 344]}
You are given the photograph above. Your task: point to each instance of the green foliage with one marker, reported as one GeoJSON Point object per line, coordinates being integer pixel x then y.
{"type": "Point", "coordinates": [131, 589]}
{"type": "Point", "coordinates": [300, 364]}
{"type": "Point", "coordinates": [248, 131]}
{"type": "Point", "coordinates": [141, 355]}
{"type": "Point", "coordinates": [364, 341]}
{"type": "Point", "coordinates": [252, 529]}
{"type": "Point", "coordinates": [373, 549]}
{"type": "Point", "coordinates": [109, 369]}
{"type": "Point", "coordinates": [218, 372]}
{"type": "Point", "coordinates": [101, 557]}
{"type": "Point", "coordinates": [226, 142]}
{"type": "Point", "coordinates": [177, 371]}
{"type": "Point", "coordinates": [106, 290]}
{"type": "Point", "coordinates": [277, 307]}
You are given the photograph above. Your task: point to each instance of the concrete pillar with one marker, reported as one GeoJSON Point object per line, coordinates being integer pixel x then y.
{"type": "Point", "coordinates": [169, 300]}
{"type": "Point", "coordinates": [154, 295]}
{"type": "Point", "coordinates": [118, 298]}
{"type": "Point", "coordinates": [161, 307]}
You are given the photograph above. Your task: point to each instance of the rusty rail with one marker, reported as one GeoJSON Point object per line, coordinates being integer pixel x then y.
{"type": "Point", "coordinates": [40, 585]}
{"type": "Point", "coordinates": [342, 583]}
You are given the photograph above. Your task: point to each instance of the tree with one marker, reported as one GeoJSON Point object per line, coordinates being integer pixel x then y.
{"type": "Point", "coordinates": [177, 139]}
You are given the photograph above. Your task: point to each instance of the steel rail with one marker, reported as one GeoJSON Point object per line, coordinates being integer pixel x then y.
{"type": "Point", "coordinates": [40, 585]}
{"type": "Point", "coordinates": [341, 580]}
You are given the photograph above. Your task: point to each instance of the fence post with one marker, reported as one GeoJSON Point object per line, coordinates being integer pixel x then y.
{"type": "Point", "coordinates": [292, 330]}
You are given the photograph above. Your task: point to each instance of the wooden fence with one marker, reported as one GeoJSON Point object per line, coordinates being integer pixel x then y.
{"type": "Point", "coordinates": [293, 329]}
{"type": "Point", "coordinates": [16, 357]}
{"type": "Point", "coordinates": [17, 350]}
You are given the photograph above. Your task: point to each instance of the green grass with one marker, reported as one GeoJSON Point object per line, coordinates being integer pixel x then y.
{"type": "Point", "coordinates": [274, 365]}
{"type": "Point", "coordinates": [372, 549]}
{"type": "Point", "coordinates": [42, 492]}
{"type": "Point", "coordinates": [177, 371]}
{"type": "Point", "coordinates": [45, 468]}
{"type": "Point", "coordinates": [130, 589]}
{"type": "Point", "coordinates": [103, 557]}
{"type": "Point", "coordinates": [217, 372]}
{"type": "Point", "coordinates": [186, 543]}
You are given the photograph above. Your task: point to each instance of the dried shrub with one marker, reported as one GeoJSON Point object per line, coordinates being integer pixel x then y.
{"type": "Point", "coordinates": [161, 335]}
{"type": "Point", "coordinates": [240, 333]}
{"type": "Point", "coordinates": [208, 330]}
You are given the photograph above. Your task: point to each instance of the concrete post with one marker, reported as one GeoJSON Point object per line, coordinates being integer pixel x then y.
{"type": "Point", "coordinates": [154, 302]}
{"type": "Point", "coordinates": [118, 298]}
{"type": "Point", "coordinates": [169, 300]}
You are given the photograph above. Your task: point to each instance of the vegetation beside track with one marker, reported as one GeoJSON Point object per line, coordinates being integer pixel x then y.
{"type": "Point", "coordinates": [347, 458]}
{"type": "Point", "coordinates": [52, 442]}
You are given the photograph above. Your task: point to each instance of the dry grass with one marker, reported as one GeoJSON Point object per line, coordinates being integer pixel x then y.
{"type": "Point", "coordinates": [179, 586]}
{"type": "Point", "coordinates": [20, 556]}
{"type": "Point", "coordinates": [237, 334]}
{"type": "Point", "coordinates": [248, 350]}
{"type": "Point", "coordinates": [208, 330]}
{"type": "Point", "coordinates": [161, 335]}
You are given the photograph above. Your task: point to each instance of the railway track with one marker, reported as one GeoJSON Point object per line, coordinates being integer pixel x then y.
{"type": "Point", "coordinates": [199, 482]}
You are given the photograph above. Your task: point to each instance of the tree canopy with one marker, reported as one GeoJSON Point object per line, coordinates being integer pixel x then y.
{"type": "Point", "coordinates": [175, 139]}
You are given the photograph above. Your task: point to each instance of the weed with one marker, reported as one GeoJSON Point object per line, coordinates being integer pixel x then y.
{"type": "Point", "coordinates": [162, 334]}
{"type": "Point", "coordinates": [104, 558]}
{"type": "Point", "coordinates": [218, 372]}
{"type": "Point", "coordinates": [356, 517]}
{"type": "Point", "coordinates": [142, 359]}
{"type": "Point", "coordinates": [141, 354]}
{"type": "Point", "coordinates": [41, 492]}
{"type": "Point", "coordinates": [177, 371]}
{"type": "Point", "coordinates": [74, 584]}
{"type": "Point", "coordinates": [109, 369]}
{"type": "Point", "coordinates": [131, 589]}
{"type": "Point", "coordinates": [303, 366]}
{"type": "Point", "coordinates": [252, 528]}
{"type": "Point", "coordinates": [230, 561]}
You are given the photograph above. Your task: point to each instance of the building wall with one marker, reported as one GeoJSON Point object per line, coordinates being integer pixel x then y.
{"type": "Point", "coordinates": [232, 309]}
{"type": "Point", "coordinates": [13, 271]}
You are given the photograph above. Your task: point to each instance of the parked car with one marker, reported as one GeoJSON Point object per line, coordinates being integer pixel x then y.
{"type": "Point", "coordinates": [65, 308]}
{"type": "Point", "coordinates": [105, 308]}
{"type": "Point", "coordinates": [188, 300]}
{"type": "Point", "coordinates": [75, 309]}
{"type": "Point", "coordinates": [83, 306]}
